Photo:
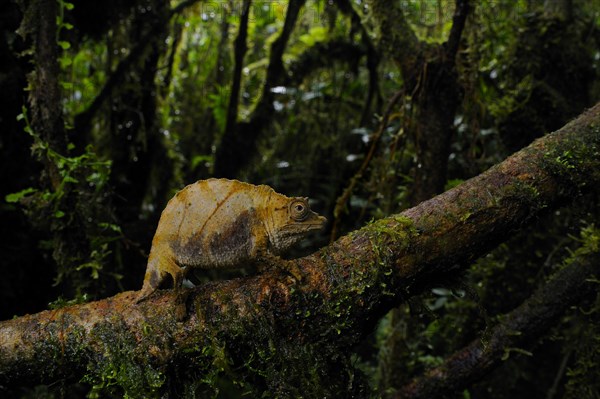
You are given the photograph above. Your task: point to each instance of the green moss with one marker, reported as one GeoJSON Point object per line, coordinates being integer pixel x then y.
{"type": "Point", "coordinates": [589, 241]}
{"type": "Point", "coordinates": [574, 161]}
{"type": "Point", "coordinates": [64, 343]}
{"type": "Point", "coordinates": [387, 236]}
{"type": "Point", "coordinates": [265, 359]}
{"type": "Point", "coordinates": [397, 227]}
{"type": "Point", "coordinates": [527, 193]}
{"type": "Point", "coordinates": [393, 232]}
{"type": "Point", "coordinates": [126, 367]}
{"type": "Point", "coordinates": [369, 284]}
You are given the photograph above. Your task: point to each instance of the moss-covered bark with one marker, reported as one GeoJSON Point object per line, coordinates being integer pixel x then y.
{"type": "Point", "coordinates": [515, 330]}
{"type": "Point", "coordinates": [271, 332]}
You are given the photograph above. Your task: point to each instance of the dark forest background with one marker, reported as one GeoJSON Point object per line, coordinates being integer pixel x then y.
{"type": "Point", "coordinates": [108, 108]}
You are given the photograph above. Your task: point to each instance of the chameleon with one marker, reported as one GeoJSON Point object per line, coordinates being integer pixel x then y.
{"type": "Point", "coordinates": [221, 223]}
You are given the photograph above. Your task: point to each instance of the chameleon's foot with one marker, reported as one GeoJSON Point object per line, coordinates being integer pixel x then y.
{"type": "Point", "coordinates": [294, 270]}
{"type": "Point", "coordinates": [143, 295]}
{"type": "Point", "coordinates": [274, 262]}
{"type": "Point", "coordinates": [180, 304]}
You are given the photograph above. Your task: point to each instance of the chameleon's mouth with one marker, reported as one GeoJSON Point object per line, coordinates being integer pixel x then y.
{"type": "Point", "coordinates": [314, 226]}
{"type": "Point", "coordinates": [315, 223]}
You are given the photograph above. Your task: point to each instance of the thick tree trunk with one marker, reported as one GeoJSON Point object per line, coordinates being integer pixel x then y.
{"type": "Point", "coordinates": [434, 129]}
{"type": "Point", "coordinates": [347, 286]}
{"type": "Point", "coordinates": [45, 96]}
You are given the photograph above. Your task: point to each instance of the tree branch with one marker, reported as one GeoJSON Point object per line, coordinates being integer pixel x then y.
{"type": "Point", "coordinates": [397, 38]}
{"type": "Point", "coordinates": [342, 201]}
{"type": "Point", "coordinates": [177, 35]}
{"type": "Point", "coordinates": [234, 150]}
{"type": "Point", "coordinates": [45, 96]}
{"type": "Point", "coordinates": [346, 287]}
{"type": "Point", "coordinates": [240, 48]}
{"type": "Point", "coordinates": [321, 55]}
{"type": "Point", "coordinates": [458, 24]}
{"type": "Point", "coordinates": [182, 6]}
{"type": "Point", "coordinates": [429, 73]}
{"type": "Point", "coordinates": [518, 328]}
{"type": "Point", "coordinates": [372, 56]}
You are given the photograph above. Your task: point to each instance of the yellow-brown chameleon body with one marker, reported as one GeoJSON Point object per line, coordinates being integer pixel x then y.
{"type": "Point", "coordinates": [218, 223]}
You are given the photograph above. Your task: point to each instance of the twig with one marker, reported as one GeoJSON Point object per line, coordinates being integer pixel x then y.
{"type": "Point", "coordinates": [340, 204]}
{"type": "Point", "coordinates": [458, 23]}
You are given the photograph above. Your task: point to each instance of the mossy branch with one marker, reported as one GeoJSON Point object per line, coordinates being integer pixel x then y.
{"type": "Point", "coordinates": [520, 327]}
{"type": "Point", "coordinates": [347, 286]}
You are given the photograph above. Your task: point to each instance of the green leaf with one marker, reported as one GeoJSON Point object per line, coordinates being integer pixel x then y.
{"type": "Point", "coordinates": [16, 197]}
{"type": "Point", "coordinates": [64, 45]}
{"type": "Point", "coordinates": [65, 62]}
{"type": "Point", "coordinates": [58, 214]}
{"type": "Point", "coordinates": [110, 226]}
{"type": "Point", "coordinates": [198, 159]}
{"type": "Point", "coordinates": [314, 35]}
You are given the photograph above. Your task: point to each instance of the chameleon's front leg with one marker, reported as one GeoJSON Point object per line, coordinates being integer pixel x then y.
{"type": "Point", "coordinates": [268, 261]}
{"type": "Point", "coordinates": [181, 294]}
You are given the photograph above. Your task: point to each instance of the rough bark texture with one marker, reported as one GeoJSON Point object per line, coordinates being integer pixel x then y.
{"type": "Point", "coordinates": [346, 287]}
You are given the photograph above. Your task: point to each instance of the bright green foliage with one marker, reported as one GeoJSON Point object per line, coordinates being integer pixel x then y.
{"type": "Point", "coordinates": [89, 175]}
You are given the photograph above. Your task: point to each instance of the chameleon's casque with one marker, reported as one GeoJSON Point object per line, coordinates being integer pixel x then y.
{"type": "Point", "coordinates": [218, 223]}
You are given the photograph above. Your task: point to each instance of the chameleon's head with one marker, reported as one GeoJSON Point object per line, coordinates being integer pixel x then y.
{"type": "Point", "coordinates": [291, 221]}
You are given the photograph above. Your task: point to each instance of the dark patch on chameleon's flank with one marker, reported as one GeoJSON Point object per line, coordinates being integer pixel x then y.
{"type": "Point", "coordinates": [188, 250]}
{"type": "Point", "coordinates": [236, 238]}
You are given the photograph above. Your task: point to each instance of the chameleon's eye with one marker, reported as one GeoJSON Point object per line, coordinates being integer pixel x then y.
{"type": "Point", "coordinates": [299, 210]}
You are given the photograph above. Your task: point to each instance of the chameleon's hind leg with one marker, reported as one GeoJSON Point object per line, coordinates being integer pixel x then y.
{"type": "Point", "coordinates": [157, 270]}
{"type": "Point", "coordinates": [176, 273]}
